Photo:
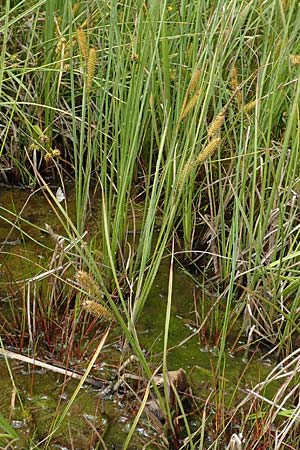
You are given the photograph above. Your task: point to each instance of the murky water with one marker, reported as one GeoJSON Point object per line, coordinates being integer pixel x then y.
{"type": "Point", "coordinates": [94, 421]}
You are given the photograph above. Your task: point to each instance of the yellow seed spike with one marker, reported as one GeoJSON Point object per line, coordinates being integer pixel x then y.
{"type": "Point", "coordinates": [216, 124]}
{"type": "Point", "coordinates": [194, 81]}
{"type": "Point", "coordinates": [55, 152]}
{"type": "Point", "coordinates": [208, 150]}
{"type": "Point", "coordinates": [250, 106]}
{"type": "Point", "coordinates": [91, 66]}
{"type": "Point", "coordinates": [234, 80]}
{"type": "Point", "coordinates": [75, 8]}
{"type": "Point", "coordinates": [47, 157]}
{"type": "Point", "coordinates": [100, 311]}
{"type": "Point", "coordinates": [294, 60]}
{"type": "Point", "coordinates": [187, 107]}
{"type": "Point", "coordinates": [88, 283]}
{"type": "Point", "coordinates": [82, 43]}
{"type": "Point", "coordinates": [235, 87]}
{"type": "Point", "coordinates": [186, 171]}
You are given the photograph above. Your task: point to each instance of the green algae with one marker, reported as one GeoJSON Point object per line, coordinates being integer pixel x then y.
{"type": "Point", "coordinates": [43, 395]}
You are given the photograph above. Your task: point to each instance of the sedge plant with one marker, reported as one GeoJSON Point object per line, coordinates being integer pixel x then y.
{"type": "Point", "coordinates": [189, 114]}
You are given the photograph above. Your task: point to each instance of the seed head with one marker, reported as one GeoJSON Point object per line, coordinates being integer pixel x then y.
{"type": "Point", "coordinates": [75, 8]}
{"type": "Point", "coordinates": [91, 66]}
{"type": "Point", "coordinates": [186, 171]}
{"type": "Point", "coordinates": [194, 81]}
{"type": "Point", "coordinates": [187, 107]}
{"type": "Point", "coordinates": [235, 87]}
{"type": "Point", "coordinates": [82, 43]}
{"type": "Point", "coordinates": [88, 284]}
{"type": "Point", "coordinates": [208, 150]}
{"type": "Point", "coordinates": [216, 124]}
{"type": "Point", "coordinates": [98, 310]}
{"type": "Point", "coordinates": [250, 106]}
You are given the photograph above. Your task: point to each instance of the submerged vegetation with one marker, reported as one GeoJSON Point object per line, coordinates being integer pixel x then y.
{"type": "Point", "coordinates": [175, 125]}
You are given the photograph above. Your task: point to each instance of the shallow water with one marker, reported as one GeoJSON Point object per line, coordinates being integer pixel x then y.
{"type": "Point", "coordinates": [41, 393]}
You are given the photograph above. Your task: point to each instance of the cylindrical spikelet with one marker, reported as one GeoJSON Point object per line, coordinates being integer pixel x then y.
{"type": "Point", "coordinates": [82, 43]}
{"type": "Point", "coordinates": [295, 60]}
{"type": "Point", "coordinates": [235, 87]}
{"type": "Point", "coordinates": [75, 8]}
{"type": "Point", "coordinates": [187, 107]}
{"type": "Point", "coordinates": [234, 79]}
{"type": "Point", "coordinates": [194, 81]}
{"type": "Point", "coordinates": [185, 173]}
{"type": "Point", "coordinates": [55, 152]}
{"type": "Point", "coordinates": [91, 66]}
{"type": "Point", "coordinates": [87, 282]}
{"type": "Point", "coordinates": [250, 106]}
{"type": "Point", "coordinates": [216, 124]}
{"type": "Point", "coordinates": [100, 311]}
{"type": "Point", "coordinates": [208, 150]}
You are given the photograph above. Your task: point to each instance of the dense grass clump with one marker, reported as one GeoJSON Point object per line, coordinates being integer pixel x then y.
{"type": "Point", "coordinates": [179, 121]}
